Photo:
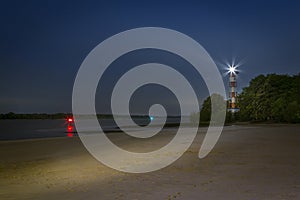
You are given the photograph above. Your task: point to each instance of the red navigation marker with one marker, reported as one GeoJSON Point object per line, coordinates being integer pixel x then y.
{"type": "Point", "coordinates": [70, 127]}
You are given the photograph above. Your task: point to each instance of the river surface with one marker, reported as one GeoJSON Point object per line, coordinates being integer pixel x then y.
{"type": "Point", "coordinates": [44, 128]}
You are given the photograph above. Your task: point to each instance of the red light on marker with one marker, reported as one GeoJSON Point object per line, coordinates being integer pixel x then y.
{"type": "Point", "coordinates": [70, 134]}
{"type": "Point", "coordinates": [70, 128]}
{"type": "Point", "coordinates": [70, 119]}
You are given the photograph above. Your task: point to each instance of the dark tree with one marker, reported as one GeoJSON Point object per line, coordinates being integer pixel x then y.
{"type": "Point", "coordinates": [271, 98]}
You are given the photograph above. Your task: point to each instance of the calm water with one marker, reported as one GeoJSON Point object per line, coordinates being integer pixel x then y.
{"type": "Point", "coordinates": [27, 129]}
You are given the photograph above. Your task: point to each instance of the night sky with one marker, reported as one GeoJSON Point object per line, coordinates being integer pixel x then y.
{"type": "Point", "coordinates": [43, 43]}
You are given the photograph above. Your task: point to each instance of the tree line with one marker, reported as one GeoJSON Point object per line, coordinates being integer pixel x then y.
{"type": "Point", "coordinates": [12, 115]}
{"type": "Point", "coordinates": [272, 97]}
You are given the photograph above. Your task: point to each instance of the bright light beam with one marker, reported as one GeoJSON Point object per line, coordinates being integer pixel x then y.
{"type": "Point", "coordinates": [232, 69]}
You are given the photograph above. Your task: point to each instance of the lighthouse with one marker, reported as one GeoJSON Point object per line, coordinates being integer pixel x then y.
{"type": "Point", "coordinates": [232, 102]}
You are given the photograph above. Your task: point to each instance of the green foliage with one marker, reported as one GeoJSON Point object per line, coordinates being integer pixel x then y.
{"type": "Point", "coordinates": [205, 113]}
{"type": "Point", "coordinates": [219, 102]}
{"type": "Point", "coordinates": [232, 117]}
{"type": "Point", "coordinates": [194, 117]}
{"type": "Point", "coordinates": [271, 98]}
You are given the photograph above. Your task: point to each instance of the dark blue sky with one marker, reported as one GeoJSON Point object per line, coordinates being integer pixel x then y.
{"type": "Point", "coordinates": [44, 42]}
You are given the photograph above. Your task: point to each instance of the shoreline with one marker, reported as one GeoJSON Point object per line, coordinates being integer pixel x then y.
{"type": "Point", "coordinates": [118, 131]}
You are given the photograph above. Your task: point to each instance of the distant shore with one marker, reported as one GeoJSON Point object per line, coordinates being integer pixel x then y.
{"type": "Point", "coordinates": [12, 115]}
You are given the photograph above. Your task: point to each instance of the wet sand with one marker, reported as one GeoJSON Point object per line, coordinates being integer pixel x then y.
{"type": "Point", "coordinates": [248, 162]}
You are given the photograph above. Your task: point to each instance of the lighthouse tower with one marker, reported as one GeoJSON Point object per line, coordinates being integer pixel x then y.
{"type": "Point", "coordinates": [232, 105]}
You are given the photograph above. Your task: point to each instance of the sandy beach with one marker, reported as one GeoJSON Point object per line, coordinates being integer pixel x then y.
{"type": "Point", "coordinates": [248, 162]}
